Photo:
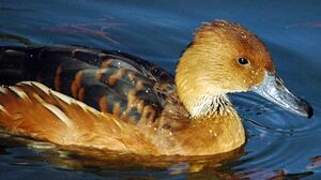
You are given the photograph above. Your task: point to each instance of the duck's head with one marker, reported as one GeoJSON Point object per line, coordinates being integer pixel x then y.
{"type": "Point", "coordinates": [225, 58]}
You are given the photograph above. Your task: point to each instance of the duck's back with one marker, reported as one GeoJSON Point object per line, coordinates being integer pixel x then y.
{"type": "Point", "coordinates": [112, 82]}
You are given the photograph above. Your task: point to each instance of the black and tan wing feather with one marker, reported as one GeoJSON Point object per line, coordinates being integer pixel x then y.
{"type": "Point", "coordinates": [112, 82]}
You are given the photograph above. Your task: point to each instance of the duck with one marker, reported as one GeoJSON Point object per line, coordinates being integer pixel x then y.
{"type": "Point", "coordinates": [113, 101]}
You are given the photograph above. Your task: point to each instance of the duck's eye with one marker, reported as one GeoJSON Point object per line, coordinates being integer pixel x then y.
{"type": "Point", "coordinates": [243, 61]}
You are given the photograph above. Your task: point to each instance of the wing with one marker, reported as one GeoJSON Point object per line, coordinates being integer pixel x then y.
{"type": "Point", "coordinates": [112, 82]}
{"type": "Point", "coordinates": [32, 109]}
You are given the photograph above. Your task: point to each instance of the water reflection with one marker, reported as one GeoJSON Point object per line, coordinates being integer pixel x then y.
{"type": "Point", "coordinates": [104, 164]}
{"type": "Point", "coordinates": [315, 162]}
{"type": "Point", "coordinates": [98, 29]}
{"type": "Point", "coordinates": [86, 159]}
{"type": "Point", "coordinates": [10, 39]}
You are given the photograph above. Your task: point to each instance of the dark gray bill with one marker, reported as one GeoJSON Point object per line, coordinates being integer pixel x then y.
{"type": "Point", "coordinates": [274, 90]}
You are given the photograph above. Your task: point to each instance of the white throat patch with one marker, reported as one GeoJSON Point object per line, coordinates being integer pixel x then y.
{"type": "Point", "coordinates": [211, 105]}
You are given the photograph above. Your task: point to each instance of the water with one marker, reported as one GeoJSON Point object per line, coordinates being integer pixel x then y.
{"type": "Point", "coordinates": [279, 144]}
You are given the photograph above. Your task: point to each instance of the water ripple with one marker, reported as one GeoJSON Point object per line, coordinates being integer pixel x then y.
{"type": "Point", "coordinates": [274, 135]}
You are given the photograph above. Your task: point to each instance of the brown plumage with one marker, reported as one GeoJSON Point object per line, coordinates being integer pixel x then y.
{"type": "Point", "coordinates": [31, 109]}
{"type": "Point", "coordinates": [118, 102]}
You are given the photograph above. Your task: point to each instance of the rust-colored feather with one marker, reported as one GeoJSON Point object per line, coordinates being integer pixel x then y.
{"type": "Point", "coordinates": [31, 109]}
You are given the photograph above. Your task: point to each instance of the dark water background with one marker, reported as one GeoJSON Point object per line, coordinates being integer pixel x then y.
{"type": "Point", "coordinates": [279, 144]}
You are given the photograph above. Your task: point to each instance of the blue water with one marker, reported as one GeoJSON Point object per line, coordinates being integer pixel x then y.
{"type": "Point", "coordinates": [279, 144]}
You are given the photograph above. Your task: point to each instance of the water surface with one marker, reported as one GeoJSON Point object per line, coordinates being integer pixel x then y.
{"type": "Point", "coordinates": [279, 144]}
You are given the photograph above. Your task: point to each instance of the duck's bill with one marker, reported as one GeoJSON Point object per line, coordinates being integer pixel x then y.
{"type": "Point", "coordinates": [274, 90]}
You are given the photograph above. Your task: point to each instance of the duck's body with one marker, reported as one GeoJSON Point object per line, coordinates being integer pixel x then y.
{"type": "Point", "coordinates": [118, 102]}
{"type": "Point", "coordinates": [140, 96]}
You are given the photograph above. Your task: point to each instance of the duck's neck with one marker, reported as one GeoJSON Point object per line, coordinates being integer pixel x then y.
{"type": "Point", "coordinates": [215, 126]}
{"type": "Point", "coordinates": [200, 87]}
{"type": "Point", "coordinates": [209, 106]}
{"type": "Point", "coordinates": [202, 101]}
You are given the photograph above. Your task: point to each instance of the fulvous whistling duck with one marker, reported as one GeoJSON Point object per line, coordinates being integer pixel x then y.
{"type": "Point", "coordinates": [114, 101]}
